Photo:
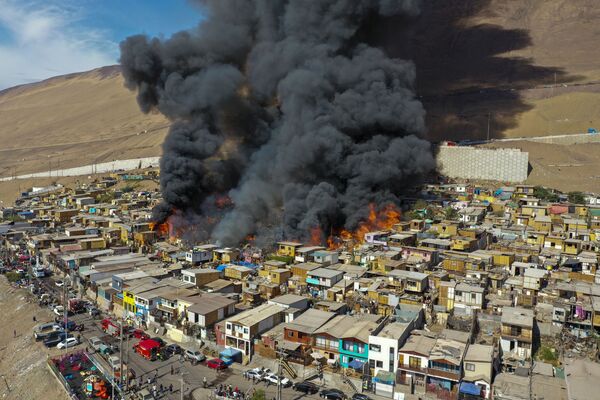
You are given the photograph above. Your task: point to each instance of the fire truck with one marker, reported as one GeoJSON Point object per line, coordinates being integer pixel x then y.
{"type": "Point", "coordinates": [148, 349]}
{"type": "Point", "coordinates": [110, 327]}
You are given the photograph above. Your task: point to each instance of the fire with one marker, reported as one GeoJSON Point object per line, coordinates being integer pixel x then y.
{"type": "Point", "coordinates": [223, 202]}
{"type": "Point", "coordinates": [383, 220]}
{"type": "Point", "coordinates": [316, 236]}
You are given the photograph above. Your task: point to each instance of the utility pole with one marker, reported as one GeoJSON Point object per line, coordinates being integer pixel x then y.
{"type": "Point", "coordinates": [488, 126]}
{"type": "Point", "coordinates": [121, 353]}
{"type": "Point", "coordinates": [6, 383]}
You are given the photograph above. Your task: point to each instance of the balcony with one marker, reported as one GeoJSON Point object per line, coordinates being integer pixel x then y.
{"type": "Point", "coordinates": [520, 338]}
{"type": "Point", "coordinates": [440, 373]}
{"type": "Point", "coordinates": [416, 369]}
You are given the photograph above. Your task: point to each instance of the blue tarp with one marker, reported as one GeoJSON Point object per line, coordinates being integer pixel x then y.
{"type": "Point", "coordinates": [246, 264]}
{"type": "Point", "coordinates": [356, 364]}
{"type": "Point", "coordinates": [229, 355]}
{"type": "Point", "coordinates": [470, 388]}
{"type": "Point", "coordinates": [221, 267]}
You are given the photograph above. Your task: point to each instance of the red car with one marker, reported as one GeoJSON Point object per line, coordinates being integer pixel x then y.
{"type": "Point", "coordinates": [140, 334]}
{"type": "Point", "coordinates": [216, 363]}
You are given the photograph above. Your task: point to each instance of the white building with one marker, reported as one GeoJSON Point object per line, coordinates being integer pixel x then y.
{"type": "Point", "coordinates": [200, 254]}
{"type": "Point", "coordinates": [384, 346]}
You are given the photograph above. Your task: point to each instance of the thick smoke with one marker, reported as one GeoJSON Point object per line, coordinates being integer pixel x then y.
{"type": "Point", "coordinates": [278, 105]}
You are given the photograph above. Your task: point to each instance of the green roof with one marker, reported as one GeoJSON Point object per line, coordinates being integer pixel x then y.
{"type": "Point", "coordinates": [595, 212]}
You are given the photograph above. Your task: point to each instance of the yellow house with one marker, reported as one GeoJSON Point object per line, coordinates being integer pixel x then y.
{"type": "Point", "coordinates": [288, 249]}
{"type": "Point", "coordinates": [238, 272]}
{"type": "Point", "coordinates": [572, 224]}
{"type": "Point", "coordinates": [92, 244]}
{"type": "Point", "coordinates": [503, 259]}
{"type": "Point", "coordinates": [129, 301]}
{"type": "Point", "coordinates": [572, 246]}
{"type": "Point", "coordinates": [279, 275]}
{"type": "Point", "coordinates": [225, 255]}
{"type": "Point", "coordinates": [542, 223]}
{"type": "Point", "coordinates": [463, 244]}
{"type": "Point", "coordinates": [554, 242]}
{"type": "Point", "coordinates": [445, 228]}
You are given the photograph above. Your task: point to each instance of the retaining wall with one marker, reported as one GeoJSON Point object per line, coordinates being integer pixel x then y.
{"type": "Point", "coordinates": [465, 162]}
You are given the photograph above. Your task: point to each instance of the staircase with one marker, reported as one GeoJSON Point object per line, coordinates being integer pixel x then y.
{"type": "Point", "coordinates": [349, 383]}
{"type": "Point", "coordinates": [289, 369]}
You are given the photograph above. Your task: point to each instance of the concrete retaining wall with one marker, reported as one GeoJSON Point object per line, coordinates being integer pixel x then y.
{"type": "Point", "coordinates": [464, 162]}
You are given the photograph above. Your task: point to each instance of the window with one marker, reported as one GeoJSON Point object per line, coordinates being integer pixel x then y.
{"type": "Point", "coordinates": [414, 362]}
{"type": "Point", "coordinates": [379, 364]}
{"type": "Point", "coordinates": [228, 325]}
{"type": "Point", "coordinates": [361, 348]}
{"type": "Point", "coordinates": [320, 342]}
{"type": "Point", "coordinates": [290, 334]}
{"type": "Point", "coordinates": [375, 348]}
{"type": "Point", "coordinates": [245, 330]}
{"type": "Point", "coordinates": [470, 367]}
{"type": "Point", "coordinates": [348, 346]}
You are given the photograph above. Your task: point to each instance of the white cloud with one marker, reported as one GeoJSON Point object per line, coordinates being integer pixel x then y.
{"type": "Point", "coordinates": [40, 39]}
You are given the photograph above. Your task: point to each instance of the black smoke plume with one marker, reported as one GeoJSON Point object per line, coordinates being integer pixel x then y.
{"type": "Point", "coordinates": [278, 105]}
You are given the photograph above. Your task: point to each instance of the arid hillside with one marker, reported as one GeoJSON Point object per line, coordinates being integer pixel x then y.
{"type": "Point", "coordinates": [74, 120]}
{"type": "Point", "coordinates": [511, 63]}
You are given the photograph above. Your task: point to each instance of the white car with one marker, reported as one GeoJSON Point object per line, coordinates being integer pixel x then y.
{"type": "Point", "coordinates": [69, 342]}
{"type": "Point", "coordinates": [257, 373]}
{"type": "Point", "coordinates": [59, 283]}
{"type": "Point", "coordinates": [272, 378]}
{"type": "Point", "coordinates": [194, 356]}
{"type": "Point", "coordinates": [59, 310]}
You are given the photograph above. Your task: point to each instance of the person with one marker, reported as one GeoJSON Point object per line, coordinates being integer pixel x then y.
{"type": "Point", "coordinates": [204, 381]}
{"type": "Point", "coordinates": [170, 388]}
{"type": "Point", "coordinates": [34, 319]}
{"type": "Point", "coordinates": [14, 333]}
{"type": "Point", "coordinates": [149, 380]}
{"type": "Point", "coordinates": [172, 370]}
{"type": "Point", "coordinates": [160, 388]}
{"type": "Point", "coordinates": [156, 375]}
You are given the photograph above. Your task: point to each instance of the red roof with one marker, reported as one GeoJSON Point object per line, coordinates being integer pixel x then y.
{"type": "Point", "coordinates": [148, 344]}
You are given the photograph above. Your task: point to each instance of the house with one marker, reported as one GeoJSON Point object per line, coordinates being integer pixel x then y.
{"type": "Point", "coordinates": [288, 249]}
{"type": "Point", "coordinates": [472, 215]}
{"type": "Point", "coordinates": [288, 301]}
{"type": "Point", "coordinates": [413, 360]}
{"type": "Point", "coordinates": [468, 298]}
{"type": "Point", "coordinates": [325, 257]}
{"type": "Point", "coordinates": [301, 270]}
{"type": "Point", "coordinates": [305, 254]}
{"type": "Point", "coordinates": [534, 279]}
{"type": "Point", "coordinates": [345, 339]}
{"type": "Point", "coordinates": [225, 256]}
{"type": "Point", "coordinates": [517, 331]}
{"type": "Point", "coordinates": [243, 328]}
{"type": "Point", "coordinates": [478, 367]}
{"type": "Point", "coordinates": [385, 344]}
{"type": "Point", "coordinates": [413, 282]}
{"type": "Point", "coordinates": [300, 331]}
{"type": "Point", "coordinates": [446, 365]}
{"type": "Point", "coordinates": [200, 254]}
{"type": "Point", "coordinates": [199, 276]}
{"type": "Point", "coordinates": [321, 279]}
{"type": "Point", "coordinates": [206, 310]}
{"type": "Point", "coordinates": [238, 272]}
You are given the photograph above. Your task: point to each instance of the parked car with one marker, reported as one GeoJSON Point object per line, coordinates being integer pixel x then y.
{"type": "Point", "coordinates": [257, 373]}
{"type": "Point", "coordinates": [59, 310]}
{"type": "Point", "coordinates": [68, 342]}
{"type": "Point", "coordinates": [173, 349]}
{"type": "Point", "coordinates": [360, 396]}
{"type": "Point", "coordinates": [48, 335]}
{"type": "Point", "coordinates": [272, 378]}
{"type": "Point", "coordinates": [332, 394]}
{"type": "Point", "coordinates": [194, 356]}
{"type": "Point", "coordinates": [53, 340]}
{"type": "Point", "coordinates": [216, 363]}
{"type": "Point", "coordinates": [95, 342]}
{"type": "Point", "coordinates": [144, 394]}
{"type": "Point", "coordinates": [59, 283]}
{"type": "Point", "coordinates": [306, 387]}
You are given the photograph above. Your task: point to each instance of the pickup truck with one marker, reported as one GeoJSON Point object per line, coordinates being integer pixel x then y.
{"type": "Point", "coordinates": [42, 331]}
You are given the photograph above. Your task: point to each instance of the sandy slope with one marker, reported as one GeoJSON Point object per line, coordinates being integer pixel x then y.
{"type": "Point", "coordinates": [22, 360]}
{"type": "Point", "coordinates": [74, 120]}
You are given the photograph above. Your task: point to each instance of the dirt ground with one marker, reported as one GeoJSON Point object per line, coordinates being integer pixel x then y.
{"type": "Point", "coordinates": [562, 167]}
{"type": "Point", "coordinates": [22, 360]}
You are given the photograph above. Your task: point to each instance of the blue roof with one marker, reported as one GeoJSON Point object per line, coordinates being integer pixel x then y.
{"type": "Point", "coordinates": [470, 388]}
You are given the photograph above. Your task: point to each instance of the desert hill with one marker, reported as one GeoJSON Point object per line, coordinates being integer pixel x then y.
{"type": "Point", "coordinates": [74, 120]}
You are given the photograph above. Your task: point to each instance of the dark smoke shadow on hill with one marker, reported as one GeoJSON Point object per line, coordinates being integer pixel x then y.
{"type": "Point", "coordinates": [466, 77]}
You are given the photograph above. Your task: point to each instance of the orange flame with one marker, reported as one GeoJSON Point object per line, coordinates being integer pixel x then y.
{"type": "Point", "coordinates": [316, 236]}
{"type": "Point", "coordinates": [383, 220]}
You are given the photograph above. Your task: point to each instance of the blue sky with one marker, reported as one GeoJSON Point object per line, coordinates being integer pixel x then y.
{"type": "Point", "coordinates": [44, 38]}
